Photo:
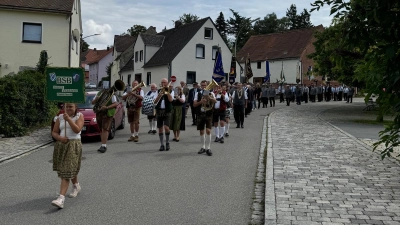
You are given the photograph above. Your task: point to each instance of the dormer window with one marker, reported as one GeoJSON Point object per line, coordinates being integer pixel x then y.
{"type": "Point", "coordinates": [208, 33]}
{"type": "Point", "coordinates": [200, 51]}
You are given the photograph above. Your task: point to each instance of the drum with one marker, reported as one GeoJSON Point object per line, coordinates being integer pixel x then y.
{"type": "Point", "coordinates": [147, 105]}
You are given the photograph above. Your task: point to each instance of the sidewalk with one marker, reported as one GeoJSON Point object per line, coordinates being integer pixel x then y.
{"type": "Point", "coordinates": [319, 174]}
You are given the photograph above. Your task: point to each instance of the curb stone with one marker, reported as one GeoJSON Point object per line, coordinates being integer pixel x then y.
{"type": "Point", "coordinates": [25, 151]}
{"type": "Point", "coordinates": [270, 200]}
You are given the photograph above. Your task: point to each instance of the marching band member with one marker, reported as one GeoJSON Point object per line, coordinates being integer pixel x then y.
{"type": "Point", "coordinates": [177, 113]}
{"type": "Point", "coordinates": [104, 118]}
{"type": "Point", "coordinates": [264, 96]}
{"type": "Point", "coordinates": [219, 114]}
{"type": "Point", "coordinates": [239, 100]}
{"type": "Point", "coordinates": [288, 95]}
{"type": "Point", "coordinates": [152, 118]}
{"type": "Point", "coordinates": [163, 111]}
{"type": "Point", "coordinates": [134, 104]}
{"type": "Point", "coordinates": [271, 96]}
{"type": "Point", "coordinates": [204, 117]}
{"type": "Point", "coordinates": [227, 114]}
{"type": "Point", "coordinates": [193, 109]}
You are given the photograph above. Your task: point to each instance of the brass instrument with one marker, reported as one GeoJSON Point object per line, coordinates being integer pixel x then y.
{"type": "Point", "coordinates": [131, 99]}
{"type": "Point", "coordinates": [107, 94]}
{"type": "Point", "coordinates": [207, 95]}
{"type": "Point", "coordinates": [163, 91]}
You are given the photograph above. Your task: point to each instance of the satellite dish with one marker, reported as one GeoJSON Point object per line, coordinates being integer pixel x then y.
{"type": "Point", "coordinates": [75, 35]}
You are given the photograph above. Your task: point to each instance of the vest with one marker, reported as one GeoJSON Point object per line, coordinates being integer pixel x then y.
{"type": "Point", "coordinates": [168, 104]}
{"type": "Point", "coordinates": [222, 103]}
{"type": "Point", "coordinates": [237, 100]}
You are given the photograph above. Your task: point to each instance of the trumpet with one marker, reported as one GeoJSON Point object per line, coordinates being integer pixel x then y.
{"type": "Point", "coordinates": [163, 91]}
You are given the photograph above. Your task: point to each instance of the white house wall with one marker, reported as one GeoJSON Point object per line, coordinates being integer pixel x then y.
{"type": "Point", "coordinates": [76, 23]}
{"type": "Point", "coordinates": [14, 53]}
{"type": "Point", "coordinates": [103, 63]}
{"type": "Point", "coordinates": [137, 65]}
{"type": "Point", "coordinates": [150, 51]}
{"type": "Point", "coordinates": [186, 60]}
{"type": "Point", "coordinates": [115, 68]}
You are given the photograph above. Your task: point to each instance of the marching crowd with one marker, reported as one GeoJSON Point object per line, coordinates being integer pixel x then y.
{"type": "Point", "coordinates": [212, 106]}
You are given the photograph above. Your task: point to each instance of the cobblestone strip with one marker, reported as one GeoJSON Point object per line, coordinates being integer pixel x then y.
{"type": "Point", "coordinates": [258, 215]}
{"type": "Point", "coordinates": [323, 176]}
{"type": "Point", "coordinates": [270, 201]}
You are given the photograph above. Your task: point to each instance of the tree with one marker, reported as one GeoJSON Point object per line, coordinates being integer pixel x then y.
{"type": "Point", "coordinates": [41, 65]}
{"type": "Point", "coordinates": [267, 25]}
{"type": "Point", "coordinates": [84, 45]}
{"type": "Point", "coordinates": [372, 27]}
{"type": "Point", "coordinates": [298, 21]}
{"type": "Point", "coordinates": [240, 24]}
{"type": "Point", "coordinates": [188, 18]}
{"type": "Point", "coordinates": [222, 26]}
{"type": "Point", "coordinates": [135, 30]}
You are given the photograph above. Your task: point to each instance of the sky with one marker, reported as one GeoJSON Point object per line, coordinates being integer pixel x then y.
{"type": "Point", "coordinates": [114, 17]}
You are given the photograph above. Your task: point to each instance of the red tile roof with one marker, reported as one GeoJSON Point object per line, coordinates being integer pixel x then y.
{"type": "Point", "coordinates": [94, 56]}
{"type": "Point", "coordinates": [55, 6]}
{"type": "Point", "coordinates": [287, 44]}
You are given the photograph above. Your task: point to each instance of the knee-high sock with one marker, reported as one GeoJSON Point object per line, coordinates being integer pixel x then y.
{"type": "Point", "coordinates": [221, 131]}
{"type": "Point", "coordinates": [216, 131]}
{"type": "Point", "coordinates": [161, 135]}
{"type": "Point", "coordinates": [203, 141]}
{"type": "Point", "coordinates": [167, 137]}
{"type": "Point", "coordinates": [227, 127]}
{"type": "Point", "coordinates": [154, 125]}
{"type": "Point", "coordinates": [208, 137]}
{"type": "Point", "coordinates": [151, 125]}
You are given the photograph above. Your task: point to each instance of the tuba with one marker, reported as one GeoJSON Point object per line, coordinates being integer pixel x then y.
{"type": "Point", "coordinates": [131, 100]}
{"type": "Point", "coordinates": [207, 95]}
{"type": "Point", "coordinates": [106, 95]}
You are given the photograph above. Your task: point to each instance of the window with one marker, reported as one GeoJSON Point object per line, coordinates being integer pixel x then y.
{"type": "Point", "coordinates": [258, 65]}
{"type": "Point", "coordinates": [32, 33]}
{"type": "Point", "coordinates": [200, 51]}
{"type": "Point", "coordinates": [141, 55]}
{"type": "Point", "coordinates": [136, 56]}
{"type": "Point", "coordinates": [190, 77]}
{"type": "Point", "coordinates": [129, 80]}
{"type": "Point", "coordinates": [148, 81]}
{"type": "Point", "coordinates": [214, 52]}
{"type": "Point", "coordinates": [208, 33]}
{"type": "Point", "coordinates": [138, 77]}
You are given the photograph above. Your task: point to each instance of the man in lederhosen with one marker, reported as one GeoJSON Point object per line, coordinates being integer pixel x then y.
{"type": "Point", "coordinates": [219, 114]}
{"type": "Point", "coordinates": [163, 113]}
{"type": "Point", "coordinates": [134, 109]}
{"type": "Point", "coordinates": [239, 100]}
{"type": "Point", "coordinates": [204, 100]}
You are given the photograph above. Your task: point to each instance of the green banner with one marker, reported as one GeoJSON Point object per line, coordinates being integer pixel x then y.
{"type": "Point", "coordinates": [65, 84]}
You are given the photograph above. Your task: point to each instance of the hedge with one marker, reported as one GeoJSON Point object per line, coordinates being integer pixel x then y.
{"type": "Point", "coordinates": [23, 103]}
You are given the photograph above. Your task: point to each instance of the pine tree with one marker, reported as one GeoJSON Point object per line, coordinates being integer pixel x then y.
{"type": "Point", "coordinates": [221, 25]}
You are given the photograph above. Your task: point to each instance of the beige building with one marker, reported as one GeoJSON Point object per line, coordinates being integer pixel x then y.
{"type": "Point", "coordinates": [28, 27]}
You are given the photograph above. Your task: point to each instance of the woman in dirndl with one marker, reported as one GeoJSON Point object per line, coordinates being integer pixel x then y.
{"type": "Point", "coordinates": [177, 113]}
{"type": "Point", "coordinates": [67, 151]}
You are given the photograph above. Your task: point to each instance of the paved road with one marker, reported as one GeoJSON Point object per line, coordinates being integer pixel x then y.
{"type": "Point", "coordinates": [322, 175]}
{"type": "Point", "coordinates": [134, 183]}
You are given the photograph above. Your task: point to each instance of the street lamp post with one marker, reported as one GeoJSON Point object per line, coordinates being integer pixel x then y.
{"type": "Point", "coordinates": [80, 52]}
{"type": "Point", "coordinates": [90, 36]}
{"type": "Point", "coordinates": [237, 35]}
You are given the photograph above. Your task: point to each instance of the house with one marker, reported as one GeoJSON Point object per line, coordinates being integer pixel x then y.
{"type": "Point", "coordinates": [123, 50]}
{"type": "Point", "coordinates": [185, 51]}
{"type": "Point", "coordinates": [287, 50]}
{"type": "Point", "coordinates": [97, 61]}
{"type": "Point", "coordinates": [32, 26]}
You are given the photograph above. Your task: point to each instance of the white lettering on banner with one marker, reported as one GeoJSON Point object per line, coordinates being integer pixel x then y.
{"type": "Point", "coordinates": [58, 87]}
{"type": "Point", "coordinates": [64, 80]}
{"type": "Point", "coordinates": [70, 90]}
{"type": "Point", "coordinates": [64, 94]}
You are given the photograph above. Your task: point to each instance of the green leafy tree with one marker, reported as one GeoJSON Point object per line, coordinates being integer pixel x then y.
{"type": "Point", "coordinates": [135, 30]}
{"type": "Point", "coordinates": [84, 45]}
{"type": "Point", "coordinates": [283, 24]}
{"type": "Point", "coordinates": [372, 27]}
{"type": "Point", "coordinates": [188, 18]}
{"type": "Point", "coordinates": [222, 26]}
{"type": "Point", "coordinates": [241, 28]}
{"type": "Point", "coordinates": [298, 21]}
{"type": "Point", "coordinates": [41, 65]}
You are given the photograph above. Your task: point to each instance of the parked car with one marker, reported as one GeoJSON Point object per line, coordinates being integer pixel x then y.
{"type": "Point", "coordinates": [90, 85]}
{"type": "Point", "coordinates": [90, 127]}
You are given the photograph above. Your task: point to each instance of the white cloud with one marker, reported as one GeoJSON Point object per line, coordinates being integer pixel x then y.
{"type": "Point", "coordinates": [113, 17]}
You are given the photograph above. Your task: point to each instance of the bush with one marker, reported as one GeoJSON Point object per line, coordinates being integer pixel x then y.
{"type": "Point", "coordinates": [24, 103]}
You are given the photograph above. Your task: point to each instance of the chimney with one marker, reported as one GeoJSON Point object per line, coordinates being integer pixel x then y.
{"type": "Point", "coordinates": [94, 49]}
{"type": "Point", "coordinates": [178, 23]}
{"type": "Point", "coordinates": [108, 48]}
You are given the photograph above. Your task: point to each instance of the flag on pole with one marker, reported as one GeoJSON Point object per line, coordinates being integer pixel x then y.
{"type": "Point", "coordinates": [218, 72]}
{"type": "Point", "coordinates": [282, 75]}
{"type": "Point", "coordinates": [298, 73]}
{"type": "Point", "coordinates": [267, 72]}
{"type": "Point", "coordinates": [249, 72]}
{"type": "Point", "coordinates": [232, 72]}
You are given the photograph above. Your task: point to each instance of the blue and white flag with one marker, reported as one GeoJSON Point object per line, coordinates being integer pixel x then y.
{"type": "Point", "coordinates": [267, 72]}
{"type": "Point", "coordinates": [218, 73]}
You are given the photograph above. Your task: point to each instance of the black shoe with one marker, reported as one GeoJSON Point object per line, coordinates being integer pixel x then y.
{"type": "Point", "coordinates": [167, 146]}
{"type": "Point", "coordinates": [174, 139]}
{"type": "Point", "coordinates": [162, 148]}
{"type": "Point", "coordinates": [238, 126]}
{"type": "Point", "coordinates": [226, 135]}
{"type": "Point", "coordinates": [102, 149]}
{"type": "Point", "coordinates": [242, 126]}
{"type": "Point", "coordinates": [154, 132]}
{"type": "Point", "coordinates": [202, 150]}
{"type": "Point", "coordinates": [216, 139]}
{"type": "Point", "coordinates": [150, 131]}
{"type": "Point", "coordinates": [221, 139]}
{"type": "Point", "coordinates": [208, 152]}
